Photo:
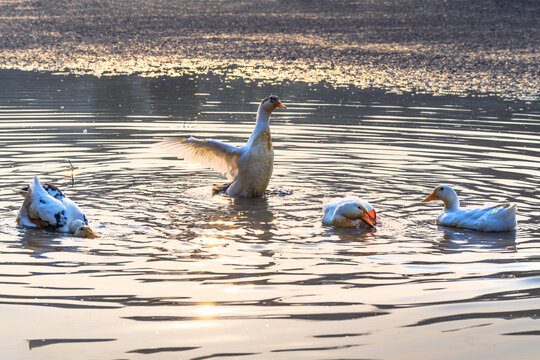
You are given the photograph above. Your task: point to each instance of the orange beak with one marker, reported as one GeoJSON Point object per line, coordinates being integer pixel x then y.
{"type": "Point", "coordinates": [92, 234]}
{"type": "Point", "coordinates": [430, 197]}
{"type": "Point", "coordinates": [370, 218]}
{"type": "Point", "coordinates": [280, 105]}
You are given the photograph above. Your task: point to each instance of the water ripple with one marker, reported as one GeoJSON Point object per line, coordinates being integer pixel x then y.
{"type": "Point", "coordinates": [177, 270]}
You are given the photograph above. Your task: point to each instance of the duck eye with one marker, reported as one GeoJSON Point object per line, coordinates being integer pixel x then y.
{"type": "Point", "coordinates": [441, 189]}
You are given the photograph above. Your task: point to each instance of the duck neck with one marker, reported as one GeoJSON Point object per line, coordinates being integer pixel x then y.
{"type": "Point", "coordinates": [262, 126]}
{"type": "Point", "coordinates": [451, 203]}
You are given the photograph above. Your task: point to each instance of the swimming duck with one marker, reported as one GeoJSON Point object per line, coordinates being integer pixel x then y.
{"type": "Point", "coordinates": [349, 213]}
{"type": "Point", "coordinates": [248, 167]}
{"type": "Point", "coordinates": [489, 218]}
{"type": "Point", "coordinates": [46, 207]}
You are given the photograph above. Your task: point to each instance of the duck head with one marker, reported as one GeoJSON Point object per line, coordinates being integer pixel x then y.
{"type": "Point", "coordinates": [271, 103]}
{"type": "Point", "coordinates": [355, 210]}
{"type": "Point", "coordinates": [446, 194]}
{"type": "Point", "coordinates": [79, 229]}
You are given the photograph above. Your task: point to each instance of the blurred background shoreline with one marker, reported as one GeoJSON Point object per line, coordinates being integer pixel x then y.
{"type": "Point", "coordinates": [438, 47]}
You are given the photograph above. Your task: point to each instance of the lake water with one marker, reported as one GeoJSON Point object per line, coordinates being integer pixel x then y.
{"type": "Point", "coordinates": [180, 274]}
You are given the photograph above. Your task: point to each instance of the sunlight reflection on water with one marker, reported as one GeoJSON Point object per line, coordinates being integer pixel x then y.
{"type": "Point", "coordinates": [179, 271]}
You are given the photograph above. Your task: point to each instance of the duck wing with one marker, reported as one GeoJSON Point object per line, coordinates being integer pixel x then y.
{"type": "Point", "coordinates": [501, 217]}
{"type": "Point", "coordinates": [212, 153]}
{"type": "Point", "coordinates": [329, 209]}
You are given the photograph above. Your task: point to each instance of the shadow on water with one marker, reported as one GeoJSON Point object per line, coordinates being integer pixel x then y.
{"type": "Point", "coordinates": [36, 343]}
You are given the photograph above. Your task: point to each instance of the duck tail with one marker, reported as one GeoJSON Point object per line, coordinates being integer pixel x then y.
{"type": "Point", "coordinates": [36, 187]}
{"type": "Point", "coordinates": [511, 211]}
{"type": "Point", "coordinates": [502, 218]}
{"type": "Point", "coordinates": [34, 184]}
{"type": "Point", "coordinates": [508, 209]}
{"type": "Point", "coordinates": [327, 203]}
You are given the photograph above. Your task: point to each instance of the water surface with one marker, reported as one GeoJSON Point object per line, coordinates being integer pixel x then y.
{"type": "Point", "coordinates": [179, 273]}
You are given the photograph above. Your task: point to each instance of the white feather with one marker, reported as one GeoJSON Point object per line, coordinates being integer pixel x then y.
{"type": "Point", "coordinates": [212, 153]}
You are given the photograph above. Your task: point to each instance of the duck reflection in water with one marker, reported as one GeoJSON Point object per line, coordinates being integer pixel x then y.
{"type": "Point", "coordinates": [41, 242]}
{"type": "Point", "coordinates": [254, 214]}
{"type": "Point", "coordinates": [459, 240]}
{"type": "Point", "coordinates": [353, 234]}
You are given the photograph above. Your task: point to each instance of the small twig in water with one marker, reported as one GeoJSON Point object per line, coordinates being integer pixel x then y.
{"type": "Point", "coordinates": [72, 172]}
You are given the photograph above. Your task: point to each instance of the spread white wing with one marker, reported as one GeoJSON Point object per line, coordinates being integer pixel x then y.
{"type": "Point", "coordinates": [212, 153]}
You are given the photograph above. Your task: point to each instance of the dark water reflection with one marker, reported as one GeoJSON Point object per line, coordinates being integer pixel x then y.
{"type": "Point", "coordinates": [179, 272]}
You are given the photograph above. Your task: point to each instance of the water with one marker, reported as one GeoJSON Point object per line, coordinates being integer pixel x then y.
{"type": "Point", "coordinates": [178, 273]}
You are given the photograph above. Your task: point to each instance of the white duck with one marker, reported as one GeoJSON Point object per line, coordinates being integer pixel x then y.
{"type": "Point", "coordinates": [489, 218]}
{"type": "Point", "coordinates": [349, 213]}
{"type": "Point", "coordinates": [249, 167]}
{"type": "Point", "coordinates": [45, 207]}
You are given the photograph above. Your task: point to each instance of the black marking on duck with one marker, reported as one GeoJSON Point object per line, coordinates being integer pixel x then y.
{"type": "Point", "coordinates": [53, 191]}
{"type": "Point", "coordinates": [61, 219]}
{"type": "Point", "coordinates": [50, 189]}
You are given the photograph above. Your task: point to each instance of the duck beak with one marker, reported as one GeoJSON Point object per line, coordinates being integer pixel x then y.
{"type": "Point", "coordinates": [430, 197]}
{"type": "Point", "coordinates": [370, 218]}
{"type": "Point", "coordinates": [373, 216]}
{"type": "Point", "coordinates": [280, 105]}
{"type": "Point", "coordinates": [91, 234]}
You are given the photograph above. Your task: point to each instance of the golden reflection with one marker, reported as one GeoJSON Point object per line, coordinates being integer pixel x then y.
{"type": "Point", "coordinates": [222, 218]}
{"type": "Point", "coordinates": [213, 241]}
{"type": "Point", "coordinates": [208, 310]}
{"type": "Point", "coordinates": [70, 172]}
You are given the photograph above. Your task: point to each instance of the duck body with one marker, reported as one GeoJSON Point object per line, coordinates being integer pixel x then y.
{"type": "Point", "coordinates": [489, 218]}
{"type": "Point", "coordinates": [249, 167]}
{"type": "Point", "coordinates": [349, 213]}
{"type": "Point", "coordinates": [46, 207]}
{"type": "Point", "coordinates": [255, 167]}
{"type": "Point", "coordinates": [496, 218]}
